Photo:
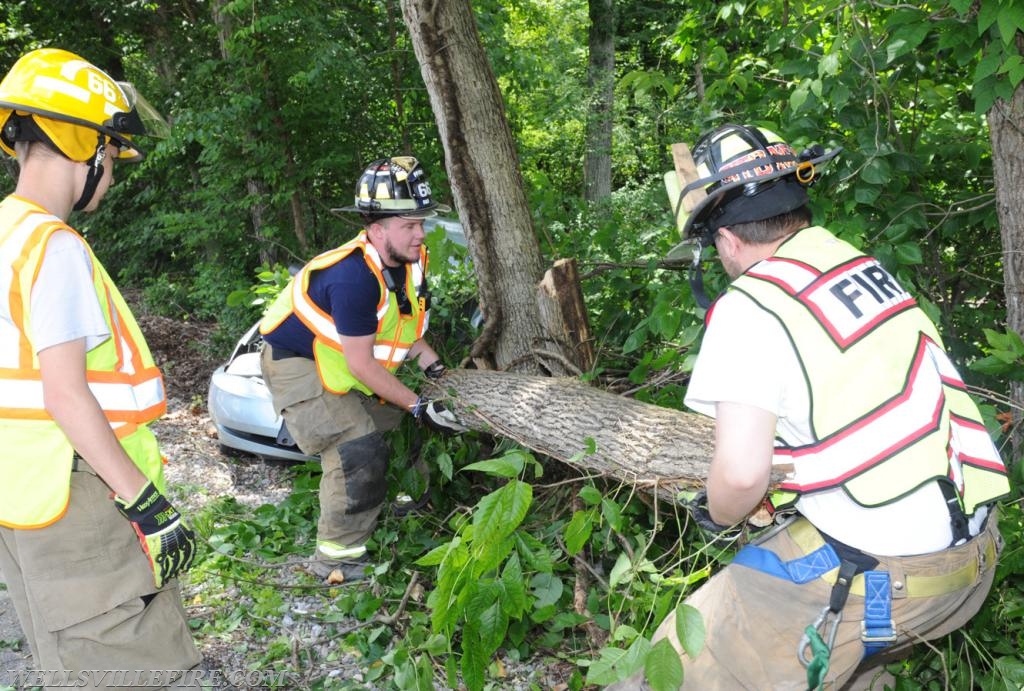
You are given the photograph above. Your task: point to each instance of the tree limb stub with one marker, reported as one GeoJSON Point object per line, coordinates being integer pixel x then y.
{"type": "Point", "coordinates": [659, 450]}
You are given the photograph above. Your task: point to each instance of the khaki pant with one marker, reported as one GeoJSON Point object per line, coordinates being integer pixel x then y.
{"type": "Point", "coordinates": [84, 593]}
{"type": "Point", "coordinates": [352, 488]}
{"type": "Point", "coordinates": [755, 621]}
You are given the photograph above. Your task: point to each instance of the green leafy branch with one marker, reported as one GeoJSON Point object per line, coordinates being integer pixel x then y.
{"type": "Point", "coordinates": [480, 580]}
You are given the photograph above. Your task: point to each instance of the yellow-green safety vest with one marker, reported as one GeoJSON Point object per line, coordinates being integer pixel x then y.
{"type": "Point", "coordinates": [35, 466]}
{"type": "Point", "coordinates": [396, 332]}
{"type": "Point", "coordinates": [905, 417]}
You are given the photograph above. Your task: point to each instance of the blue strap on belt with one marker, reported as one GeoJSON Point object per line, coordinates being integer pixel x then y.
{"type": "Point", "coordinates": [877, 630]}
{"type": "Point", "coordinates": [801, 570]}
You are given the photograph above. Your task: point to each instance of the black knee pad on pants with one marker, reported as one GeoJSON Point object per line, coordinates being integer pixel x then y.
{"type": "Point", "coordinates": [364, 461]}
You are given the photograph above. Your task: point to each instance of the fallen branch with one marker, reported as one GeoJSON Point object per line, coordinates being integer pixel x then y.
{"type": "Point", "coordinates": [659, 450]}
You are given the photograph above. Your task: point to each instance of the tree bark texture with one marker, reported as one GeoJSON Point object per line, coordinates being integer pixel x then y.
{"type": "Point", "coordinates": [597, 160]}
{"type": "Point", "coordinates": [657, 449]}
{"type": "Point", "coordinates": [483, 168]}
{"type": "Point", "coordinates": [1006, 130]}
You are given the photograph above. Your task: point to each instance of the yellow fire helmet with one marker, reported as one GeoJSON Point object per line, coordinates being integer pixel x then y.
{"type": "Point", "coordinates": [56, 95]}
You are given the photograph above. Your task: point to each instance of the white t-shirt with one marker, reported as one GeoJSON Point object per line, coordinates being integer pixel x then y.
{"type": "Point", "coordinates": [746, 357]}
{"type": "Point", "coordinates": [64, 304]}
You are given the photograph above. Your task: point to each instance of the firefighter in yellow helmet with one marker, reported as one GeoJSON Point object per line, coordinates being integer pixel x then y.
{"type": "Point", "coordinates": [819, 367]}
{"type": "Point", "coordinates": [89, 544]}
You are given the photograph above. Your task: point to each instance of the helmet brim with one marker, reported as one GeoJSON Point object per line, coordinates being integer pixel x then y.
{"type": "Point", "coordinates": [428, 212]}
{"type": "Point", "coordinates": [127, 150]}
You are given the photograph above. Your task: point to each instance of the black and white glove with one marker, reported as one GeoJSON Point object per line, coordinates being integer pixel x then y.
{"type": "Point", "coordinates": [698, 507]}
{"type": "Point", "coordinates": [168, 543]}
{"type": "Point", "coordinates": [435, 370]}
{"type": "Point", "coordinates": [436, 416]}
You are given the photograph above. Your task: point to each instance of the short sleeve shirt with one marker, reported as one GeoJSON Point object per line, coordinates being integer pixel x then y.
{"type": "Point", "coordinates": [64, 305]}
{"type": "Point", "coordinates": [348, 291]}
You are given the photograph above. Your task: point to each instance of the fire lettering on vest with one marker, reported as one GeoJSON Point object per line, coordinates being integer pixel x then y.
{"type": "Point", "coordinates": [878, 283]}
{"type": "Point", "coordinates": [854, 298]}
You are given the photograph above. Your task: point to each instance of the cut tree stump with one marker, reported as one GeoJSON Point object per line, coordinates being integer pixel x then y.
{"type": "Point", "coordinates": [563, 313]}
{"type": "Point", "coordinates": [659, 450]}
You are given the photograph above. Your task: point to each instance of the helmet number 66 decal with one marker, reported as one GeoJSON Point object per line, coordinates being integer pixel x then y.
{"type": "Point", "coordinates": [102, 86]}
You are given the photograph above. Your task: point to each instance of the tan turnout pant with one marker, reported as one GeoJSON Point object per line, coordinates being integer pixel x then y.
{"type": "Point", "coordinates": [85, 596]}
{"type": "Point", "coordinates": [345, 430]}
{"type": "Point", "coordinates": [755, 621]}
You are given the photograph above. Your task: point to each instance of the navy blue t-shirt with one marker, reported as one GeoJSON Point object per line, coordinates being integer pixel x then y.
{"type": "Point", "coordinates": [349, 292]}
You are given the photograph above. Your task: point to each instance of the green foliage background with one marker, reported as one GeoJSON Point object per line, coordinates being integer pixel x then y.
{"type": "Point", "coordinates": [276, 106]}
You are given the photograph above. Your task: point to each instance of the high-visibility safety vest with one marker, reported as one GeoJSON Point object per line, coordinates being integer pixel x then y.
{"type": "Point", "coordinates": [36, 462]}
{"type": "Point", "coordinates": [904, 417]}
{"type": "Point", "coordinates": [396, 332]}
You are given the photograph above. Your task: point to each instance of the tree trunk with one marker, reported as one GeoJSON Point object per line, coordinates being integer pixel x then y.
{"type": "Point", "coordinates": [597, 159]}
{"type": "Point", "coordinates": [1006, 129]}
{"type": "Point", "coordinates": [483, 168]}
{"type": "Point", "coordinates": [290, 167]}
{"type": "Point", "coordinates": [657, 449]}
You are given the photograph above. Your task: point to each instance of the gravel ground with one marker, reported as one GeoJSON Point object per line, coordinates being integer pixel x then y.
{"type": "Point", "coordinates": [199, 474]}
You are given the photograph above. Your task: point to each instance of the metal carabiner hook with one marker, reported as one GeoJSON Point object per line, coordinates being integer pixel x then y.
{"type": "Point", "coordinates": [823, 625]}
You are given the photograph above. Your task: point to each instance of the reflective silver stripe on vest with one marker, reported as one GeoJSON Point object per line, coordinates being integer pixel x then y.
{"type": "Point", "coordinates": [321, 324]}
{"type": "Point", "coordinates": [385, 352]}
{"type": "Point", "coordinates": [27, 394]}
{"type": "Point", "coordinates": [970, 444]}
{"type": "Point", "coordinates": [11, 248]}
{"type": "Point", "coordinates": [371, 252]}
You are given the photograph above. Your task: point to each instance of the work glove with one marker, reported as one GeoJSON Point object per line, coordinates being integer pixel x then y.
{"type": "Point", "coordinates": [168, 543]}
{"type": "Point", "coordinates": [435, 370]}
{"type": "Point", "coordinates": [436, 416]}
{"type": "Point", "coordinates": [697, 504]}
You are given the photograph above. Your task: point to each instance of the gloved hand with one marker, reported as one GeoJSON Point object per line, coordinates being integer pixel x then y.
{"type": "Point", "coordinates": [698, 507]}
{"type": "Point", "coordinates": [435, 370]}
{"type": "Point", "coordinates": [168, 543]}
{"type": "Point", "coordinates": [436, 416]}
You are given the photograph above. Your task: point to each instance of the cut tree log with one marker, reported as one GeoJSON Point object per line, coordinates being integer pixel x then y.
{"type": "Point", "coordinates": [659, 450]}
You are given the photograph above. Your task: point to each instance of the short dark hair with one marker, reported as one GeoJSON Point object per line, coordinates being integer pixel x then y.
{"type": "Point", "coordinates": [375, 218]}
{"type": "Point", "coordinates": [775, 228]}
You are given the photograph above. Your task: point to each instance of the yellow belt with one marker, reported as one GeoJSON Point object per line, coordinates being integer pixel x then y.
{"type": "Point", "coordinates": [809, 539]}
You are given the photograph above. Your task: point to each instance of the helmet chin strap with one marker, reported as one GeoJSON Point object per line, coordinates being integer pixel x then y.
{"type": "Point", "coordinates": [95, 174]}
{"type": "Point", "coordinates": [696, 277]}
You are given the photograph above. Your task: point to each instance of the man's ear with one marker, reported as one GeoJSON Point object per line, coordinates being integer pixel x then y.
{"type": "Point", "coordinates": [728, 240]}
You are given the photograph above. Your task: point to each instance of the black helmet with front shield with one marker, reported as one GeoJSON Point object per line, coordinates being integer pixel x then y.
{"type": "Point", "coordinates": [395, 186]}
{"type": "Point", "coordinates": [737, 174]}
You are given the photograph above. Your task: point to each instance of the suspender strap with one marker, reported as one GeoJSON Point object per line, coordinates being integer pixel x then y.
{"type": "Point", "coordinates": [696, 278]}
{"type": "Point", "coordinates": [877, 630]}
{"type": "Point", "coordinates": [957, 519]}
